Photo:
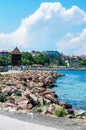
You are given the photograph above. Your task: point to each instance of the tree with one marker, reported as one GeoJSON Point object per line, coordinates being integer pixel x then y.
{"type": "Point", "coordinates": [41, 59]}
{"type": "Point", "coordinates": [3, 61]}
{"type": "Point", "coordinates": [56, 61]}
{"type": "Point", "coordinates": [9, 59]}
{"type": "Point", "coordinates": [83, 62]}
{"type": "Point", "coordinates": [26, 58]}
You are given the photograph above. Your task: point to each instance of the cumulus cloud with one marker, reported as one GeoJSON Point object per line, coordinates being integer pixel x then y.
{"type": "Point", "coordinates": [74, 45]}
{"type": "Point", "coordinates": [69, 34]}
{"type": "Point", "coordinates": [47, 25]}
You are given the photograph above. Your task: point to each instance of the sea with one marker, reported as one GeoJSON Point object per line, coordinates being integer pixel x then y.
{"type": "Point", "coordinates": [71, 88]}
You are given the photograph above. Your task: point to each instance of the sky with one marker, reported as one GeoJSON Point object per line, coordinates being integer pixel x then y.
{"type": "Point", "coordinates": [53, 25]}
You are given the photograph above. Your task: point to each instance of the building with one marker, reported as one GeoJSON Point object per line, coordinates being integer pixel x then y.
{"type": "Point", "coordinates": [52, 54]}
{"type": "Point", "coordinates": [4, 53]}
{"type": "Point", "coordinates": [16, 57]}
{"type": "Point", "coordinates": [35, 53]}
{"type": "Point", "coordinates": [3, 60]}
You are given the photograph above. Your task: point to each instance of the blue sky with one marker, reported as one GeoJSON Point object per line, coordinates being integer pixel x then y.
{"type": "Point", "coordinates": [43, 25]}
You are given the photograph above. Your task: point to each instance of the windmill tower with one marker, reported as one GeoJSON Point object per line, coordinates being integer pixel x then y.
{"type": "Point", "coordinates": [16, 57]}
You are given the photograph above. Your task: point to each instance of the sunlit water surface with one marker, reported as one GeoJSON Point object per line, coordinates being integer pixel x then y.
{"type": "Point", "coordinates": [71, 88]}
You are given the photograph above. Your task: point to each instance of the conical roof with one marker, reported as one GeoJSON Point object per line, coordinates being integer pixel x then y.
{"type": "Point", "coordinates": [16, 51]}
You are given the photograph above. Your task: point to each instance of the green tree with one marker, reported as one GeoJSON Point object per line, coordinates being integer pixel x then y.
{"type": "Point", "coordinates": [82, 62]}
{"type": "Point", "coordinates": [3, 61]}
{"type": "Point", "coordinates": [9, 59]}
{"type": "Point", "coordinates": [26, 58]}
{"type": "Point", "coordinates": [41, 59]}
{"type": "Point", "coordinates": [56, 61]}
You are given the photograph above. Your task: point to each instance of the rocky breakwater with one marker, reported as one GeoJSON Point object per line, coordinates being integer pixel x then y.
{"type": "Point", "coordinates": [30, 91]}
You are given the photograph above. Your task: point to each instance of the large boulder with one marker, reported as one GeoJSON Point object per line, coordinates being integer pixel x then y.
{"type": "Point", "coordinates": [66, 105]}
{"type": "Point", "coordinates": [51, 109]}
{"type": "Point", "coordinates": [48, 91]}
{"type": "Point", "coordinates": [41, 84]}
{"type": "Point", "coordinates": [51, 98]}
{"type": "Point", "coordinates": [41, 89]}
{"type": "Point", "coordinates": [18, 92]}
{"type": "Point", "coordinates": [8, 90]}
{"type": "Point", "coordinates": [19, 86]}
{"type": "Point", "coordinates": [31, 84]}
{"type": "Point", "coordinates": [29, 106]}
{"type": "Point", "coordinates": [70, 111]}
{"type": "Point", "coordinates": [41, 101]}
{"type": "Point", "coordinates": [80, 113]}
{"type": "Point", "coordinates": [22, 103]}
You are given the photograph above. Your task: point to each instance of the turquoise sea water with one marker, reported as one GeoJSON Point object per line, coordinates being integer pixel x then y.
{"type": "Point", "coordinates": [71, 88]}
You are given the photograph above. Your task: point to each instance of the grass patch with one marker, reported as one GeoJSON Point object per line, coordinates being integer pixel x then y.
{"type": "Point", "coordinates": [38, 109]}
{"type": "Point", "coordinates": [60, 112]}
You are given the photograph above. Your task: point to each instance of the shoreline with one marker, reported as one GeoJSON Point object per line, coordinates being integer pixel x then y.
{"type": "Point", "coordinates": [42, 69]}
{"type": "Point", "coordinates": [49, 69]}
{"type": "Point", "coordinates": [76, 122]}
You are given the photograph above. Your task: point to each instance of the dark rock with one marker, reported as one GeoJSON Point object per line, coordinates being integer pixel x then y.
{"type": "Point", "coordinates": [41, 101]}
{"type": "Point", "coordinates": [25, 79]}
{"type": "Point", "coordinates": [66, 105]}
{"type": "Point", "coordinates": [70, 111]}
{"type": "Point", "coordinates": [18, 92]}
{"type": "Point", "coordinates": [2, 97]}
{"type": "Point", "coordinates": [32, 99]}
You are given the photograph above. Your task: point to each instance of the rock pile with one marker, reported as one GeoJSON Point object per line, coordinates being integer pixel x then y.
{"type": "Point", "coordinates": [30, 91]}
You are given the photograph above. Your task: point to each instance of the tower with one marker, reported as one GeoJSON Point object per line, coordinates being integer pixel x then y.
{"type": "Point", "coordinates": [16, 57]}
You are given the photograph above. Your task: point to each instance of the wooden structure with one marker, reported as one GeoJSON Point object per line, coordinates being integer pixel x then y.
{"type": "Point", "coordinates": [16, 57]}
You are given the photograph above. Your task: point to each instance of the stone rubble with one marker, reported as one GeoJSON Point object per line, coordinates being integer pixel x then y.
{"type": "Point", "coordinates": [30, 91]}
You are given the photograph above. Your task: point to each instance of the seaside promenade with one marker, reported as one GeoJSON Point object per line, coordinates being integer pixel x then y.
{"type": "Point", "coordinates": [13, 121]}
{"type": "Point", "coordinates": [8, 123]}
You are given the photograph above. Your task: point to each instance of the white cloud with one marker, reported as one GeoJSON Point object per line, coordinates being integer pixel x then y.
{"type": "Point", "coordinates": [75, 15]}
{"type": "Point", "coordinates": [74, 45]}
{"type": "Point", "coordinates": [45, 27]}
{"type": "Point", "coordinates": [69, 35]}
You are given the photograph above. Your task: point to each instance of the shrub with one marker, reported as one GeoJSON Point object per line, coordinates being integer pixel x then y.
{"type": "Point", "coordinates": [38, 109]}
{"type": "Point", "coordinates": [60, 112]}
{"type": "Point", "coordinates": [2, 97]}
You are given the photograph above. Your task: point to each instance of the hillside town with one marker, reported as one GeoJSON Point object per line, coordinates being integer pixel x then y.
{"type": "Point", "coordinates": [39, 59]}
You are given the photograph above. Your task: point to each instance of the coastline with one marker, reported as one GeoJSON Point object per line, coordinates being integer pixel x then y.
{"type": "Point", "coordinates": [63, 122]}
{"type": "Point", "coordinates": [49, 69]}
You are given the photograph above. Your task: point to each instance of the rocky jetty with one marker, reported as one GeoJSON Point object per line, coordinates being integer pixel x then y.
{"type": "Point", "coordinates": [30, 91]}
